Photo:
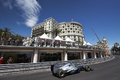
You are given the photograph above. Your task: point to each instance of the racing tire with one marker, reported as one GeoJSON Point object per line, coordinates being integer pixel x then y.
{"type": "Point", "coordinates": [87, 68]}
{"type": "Point", "coordinates": [78, 70]}
{"type": "Point", "coordinates": [61, 73]}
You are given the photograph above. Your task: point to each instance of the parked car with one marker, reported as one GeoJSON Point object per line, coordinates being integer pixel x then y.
{"type": "Point", "coordinates": [63, 69]}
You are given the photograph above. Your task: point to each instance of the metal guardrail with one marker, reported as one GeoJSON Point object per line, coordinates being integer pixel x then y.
{"type": "Point", "coordinates": [42, 66]}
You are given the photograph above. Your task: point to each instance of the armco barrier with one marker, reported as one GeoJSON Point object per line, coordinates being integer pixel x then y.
{"type": "Point", "coordinates": [42, 66]}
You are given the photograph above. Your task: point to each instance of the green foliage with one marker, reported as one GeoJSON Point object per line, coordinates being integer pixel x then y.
{"type": "Point", "coordinates": [116, 48]}
{"type": "Point", "coordinates": [56, 31]}
{"type": "Point", "coordinates": [80, 42]}
{"type": "Point", "coordinates": [116, 44]}
{"type": "Point", "coordinates": [6, 34]}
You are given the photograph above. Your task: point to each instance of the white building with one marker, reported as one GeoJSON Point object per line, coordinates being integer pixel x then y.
{"type": "Point", "coordinates": [48, 25]}
{"type": "Point", "coordinates": [73, 30]}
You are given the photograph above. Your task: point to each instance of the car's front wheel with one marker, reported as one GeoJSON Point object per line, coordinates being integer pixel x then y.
{"type": "Point", "coordinates": [87, 68]}
{"type": "Point", "coordinates": [61, 73]}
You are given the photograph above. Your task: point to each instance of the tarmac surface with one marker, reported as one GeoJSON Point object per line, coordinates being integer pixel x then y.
{"type": "Point", "coordinates": [104, 71]}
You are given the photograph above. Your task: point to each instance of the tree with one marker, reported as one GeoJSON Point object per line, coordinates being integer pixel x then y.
{"type": "Point", "coordinates": [116, 45]}
{"type": "Point", "coordinates": [119, 50]}
{"type": "Point", "coordinates": [1, 33]}
{"type": "Point", "coordinates": [80, 42]}
{"type": "Point", "coordinates": [116, 48]}
{"type": "Point", "coordinates": [56, 31]}
{"type": "Point", "coordinates": [46, 31]}
{"type": "Point", "coordinates": [6, 33]}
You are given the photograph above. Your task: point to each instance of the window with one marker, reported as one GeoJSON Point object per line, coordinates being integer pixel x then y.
{"type": "Point", "coordinates": [74, 39]}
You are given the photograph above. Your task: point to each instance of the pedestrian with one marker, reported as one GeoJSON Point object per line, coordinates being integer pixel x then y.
{"type": "Point", "coordinates": [42, 43]}
{"type": "Point", "coordinates": [1, 60]}
{"type": "Point", "coordinates": [10, 60]}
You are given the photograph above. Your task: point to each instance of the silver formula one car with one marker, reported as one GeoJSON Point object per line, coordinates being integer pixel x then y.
{"type": "Point", "coordinates": [64, 68]}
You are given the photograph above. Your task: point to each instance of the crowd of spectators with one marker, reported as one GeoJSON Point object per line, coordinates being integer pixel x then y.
{"type": "Point", "coordinates": [43, 43]}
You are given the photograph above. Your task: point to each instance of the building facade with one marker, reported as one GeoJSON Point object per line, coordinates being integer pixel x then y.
{"type": "Point", "coordinates": [46, 26]}
{"type": "Point", "coordinates": [73, 30]}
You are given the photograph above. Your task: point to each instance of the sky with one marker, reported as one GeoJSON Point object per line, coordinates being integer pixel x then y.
{"type": "Point", "coordinates": [101, 15]}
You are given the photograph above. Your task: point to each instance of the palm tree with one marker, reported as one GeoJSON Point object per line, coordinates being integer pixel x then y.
{"type": "Point", "coordinates": [80, 42]}
{"type": "Point", "coordinates": [116, 47]}
{"type": "Point", "coordinates": [46, 31]}
{"type": "Point", "coordinates": [56, 31]}
{"type": "Point", "coordinates": [1, 32]}
{"type": "Point", "coordinates": [116, 44]}
{"type": "Point", "coordinates": [119, 50]}
{"type": "Point", "coordinates": [6, 33]}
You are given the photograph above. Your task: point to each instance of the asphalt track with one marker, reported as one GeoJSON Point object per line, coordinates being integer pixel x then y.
{"type": "Point", "coordinates": [104, 71]}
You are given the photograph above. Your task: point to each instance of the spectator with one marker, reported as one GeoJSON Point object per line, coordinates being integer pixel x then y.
{"type": "Point", "coordinates": [10, 60]}
{"type": "Point", "coordinates": [9, 41]}
{"type": "Point", "coordinates": [1, 60]}
{"type": "Point", "coordinates": [1, 41]}
{"type": "Point", "coordinates": [42, 43]}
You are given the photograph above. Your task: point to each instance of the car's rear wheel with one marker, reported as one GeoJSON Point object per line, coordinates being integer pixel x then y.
{"type": "Point", "coordinates": [61, 73]}
{"type": "Point", "coordinates": [87, 68]}
{"type": "Point", "coordinates": [78, 70]}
